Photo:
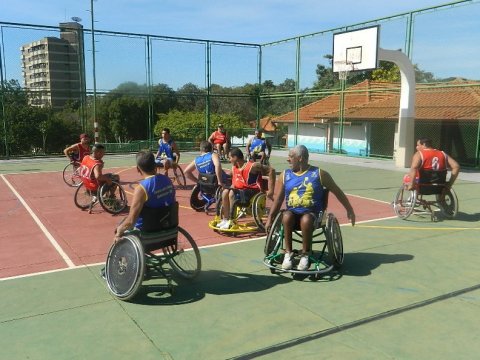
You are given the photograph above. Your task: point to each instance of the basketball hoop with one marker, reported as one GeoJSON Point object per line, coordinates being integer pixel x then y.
{"type": "Point", "coordinates": [343, 68]}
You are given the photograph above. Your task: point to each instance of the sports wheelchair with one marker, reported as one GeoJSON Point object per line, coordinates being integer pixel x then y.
{"type": "Point", "coordinates": [254, 157]}
{"type": "Point", "coordinates": [175, 172]}
{"type": "Point", "coordinates": [141, 255]}
{"type": "Point", "coordinates": [112, 198]}
{"type": "Point", "coordinates": [205, 193]}
{"type": "Point", "coordinates": [429, 194]}
{"type": "Point", "coordinates": [71, 173]}
{"type": "Point", "coordinates": [329, 257]}
{"type": "Point", "coordinates": [255, 206]}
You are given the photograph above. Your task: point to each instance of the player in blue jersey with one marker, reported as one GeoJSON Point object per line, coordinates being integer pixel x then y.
{"type": "Point", "coordinates": [258, 147]}
{"type": "Point", "coordinates": [167, 152]}
{"type": "Point", "coordinates": [303, 188]}
{"type": "Point", "coordinates": [207, 162]}
{"type": "Point", "coordinates": [154, 191]}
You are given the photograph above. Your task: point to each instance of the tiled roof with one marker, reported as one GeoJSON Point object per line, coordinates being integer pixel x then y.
{"type": "Point", "coordinates": [370, 100]}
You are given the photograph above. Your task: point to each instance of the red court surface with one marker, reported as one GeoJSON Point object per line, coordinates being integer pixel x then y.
{"type": "Point", "coordinates": [43, 230]}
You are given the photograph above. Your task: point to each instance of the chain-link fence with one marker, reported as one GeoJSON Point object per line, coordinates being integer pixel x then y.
{"type": "Point", "coordinates": [52, 89]}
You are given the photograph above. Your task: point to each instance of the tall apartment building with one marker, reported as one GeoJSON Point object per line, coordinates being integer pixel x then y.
{"type": "Point", "coordinates": [54, 68]}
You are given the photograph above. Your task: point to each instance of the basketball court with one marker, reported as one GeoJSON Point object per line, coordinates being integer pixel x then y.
{"type": "Point", "coordinates": [403, 282]}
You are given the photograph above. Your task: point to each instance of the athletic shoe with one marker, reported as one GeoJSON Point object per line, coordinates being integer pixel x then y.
{"type": "Point", "coordinates": [287, 261]}
{"type": "Point", "coordinates": [226, 225]}
{"type": "Point", "coordinates": [304, 263]}
{"type": "Point", "coordinates": [221, 223]}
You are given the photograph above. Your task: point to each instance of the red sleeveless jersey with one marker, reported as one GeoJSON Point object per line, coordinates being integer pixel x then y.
{"type": "Point", "coordinates": [82, 152]}
{"type": "Point", "coordinates": [242, 178]}
{"type": "Point", "coordinates": [86, 172]}
{"type": "Point", "coordinates": [433, 159]}
{"type": "Point", "coordinates": [219, 137]}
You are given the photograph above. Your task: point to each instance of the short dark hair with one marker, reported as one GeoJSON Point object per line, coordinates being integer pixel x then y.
{"type": "Point", "coordinates": [167, 130]}
{"type": "Point", "coordinates": [98, 147]}
{"type": "Point", "coordinates": [146, 161]}
{"type": "Point", "coordinates": [235, 151]}
{"type": "Point", "coordinates": [206, 146]}
{"type": "Point", "coordinates": [426, 142]}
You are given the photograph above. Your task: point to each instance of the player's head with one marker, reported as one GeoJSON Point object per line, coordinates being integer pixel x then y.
{"type": "Point", "coordinates": [146, 162]}
{"type": "Point", "coordinates": [165, 133]}
{"type": "Point", "coordinates": [84, 138]}
{"type": "Point", "coordinates": [426, 142]}
{"type": "Point", "coordinates": [297, 156]}
{"type": "Point", "coordinates": [98, 151]}
{"type": "Point", "coordinates": [235, 154]}
{"type": "Point", "coordinates": [220, 128]}
{"type": "Point", "coordinates": [205, 146]}
{"type": "Point", "coordinates": [258, 133]}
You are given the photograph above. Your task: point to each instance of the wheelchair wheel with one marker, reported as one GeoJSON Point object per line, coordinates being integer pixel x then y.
{"type": "Point", "coordinates": [125, 267]}
{"type": "Point", "coordinates": [177, 176]}
{"type": "Point", "coordinates": [112, 198]}
{"type": "Point", "coordinates": [71, 174]}
{"type": "Point", "coordinates": [275, 236]}
{"type": "Point", "coordinates": [448, 204]}
{"type": "Point", "coordinates": [197, 202]}
{"type": "Point", "coordinates": [404, 202]}
{"type": "Point", "coordinates": [334, 241]}
{"type": "Point", "coordinates": [260, 210]}
{"type": "Point", "coordinates": [186, 262]}
{"type": "Point", "coordinates": [83, 197]}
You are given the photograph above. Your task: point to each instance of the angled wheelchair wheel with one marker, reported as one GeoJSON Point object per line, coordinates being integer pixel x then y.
{"type": "Point", "coordinates": [71, 174]}
{"type": "Point", "coordinates": [275, 236]}
{"type": "Point", "coordinates": [185, 257]}
{"type": "Point", "coordinates": [177, 176]}
{"type": "Point", "coordinates": [197, 202]}
{"type": "Point", "coordinates": [448, 203]}
{"type": "Point", "coordinates": [334, 241]}
{"type": "Point", "coordinates": [125, 267]}
{"type": "Point", "coordinates": [260, 210]}
{"type": "Point", "coordinates": [83, 197]}
{"type": "Point", "coordinates": [404, 202]}
{"type": "Point", "coordinates": [112, 198]}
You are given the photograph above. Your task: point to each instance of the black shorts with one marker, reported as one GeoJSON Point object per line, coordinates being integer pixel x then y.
{"type": "Point", "coordinates": [298, 217]}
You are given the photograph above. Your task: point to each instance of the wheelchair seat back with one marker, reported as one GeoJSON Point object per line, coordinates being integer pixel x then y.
{"type": "Point", "coordinates": [160, 227]}
{"type": "Point", "coordinates": [208, 183]}
{"type": "Point", "coordinates": [431, 182]}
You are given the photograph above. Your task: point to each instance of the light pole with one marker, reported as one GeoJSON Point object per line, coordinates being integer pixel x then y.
{"type": "Point", "coordinates": [95, 122]}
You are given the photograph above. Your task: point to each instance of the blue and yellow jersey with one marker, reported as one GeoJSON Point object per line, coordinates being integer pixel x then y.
{"type": "Point", "coordinates": [304, 192]}
{"type": "Point", "coordinates": [165, 149]}
{"type": "Point", "coordinates": [258, 145]}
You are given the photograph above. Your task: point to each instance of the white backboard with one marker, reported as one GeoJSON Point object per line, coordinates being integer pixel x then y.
{"type": "Point", "coordinates": [356, 50]}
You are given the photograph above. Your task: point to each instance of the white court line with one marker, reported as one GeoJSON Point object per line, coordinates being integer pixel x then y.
{"type": "Point", "coordinates": [40, 225]}
{"type": "Point", "coordinates": [366, 198]}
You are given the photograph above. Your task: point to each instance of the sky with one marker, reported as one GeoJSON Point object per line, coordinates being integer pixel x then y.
{"type": "Point", "coordinates": [440, 43]}
{"type": "Point", "coordinates": [251, 21]}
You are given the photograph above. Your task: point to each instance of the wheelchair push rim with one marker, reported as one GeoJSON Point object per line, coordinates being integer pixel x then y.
{"type": "Point", "coordinates": [71, 174]}
{"type": "Point", "coordinates": [125, 267]}
{"type": "Point", "coordinates": [448, 203]}
{"type": "Point", "coordinates": [112, 198]}
{"type": "Point", "coordinates": [83, 197]}
{"type": "Point", "coordinates": [184, 255]}
{"type": "Point", "coordinates": [404, 202]}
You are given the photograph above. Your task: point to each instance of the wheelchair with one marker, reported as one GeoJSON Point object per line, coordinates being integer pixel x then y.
{"type": "Point", "coordinates": [254, 157]}
{"type": "Point", "coordinates": [175, 173]}
{"type": "Point", "coordinates": [205, 193]}
{"type": "Point", "coordinates": [328, 257]}
{"type": "Point", "coordinates": [112, 198]}
{"type": "Point", "coordinates": [142, 255]}
{"type": "Point", "coordinates": [255, 207]}
{"type": "Point", "coordinates": [429, 195]}
{"type": "Point", "coordinates": [71, 173]}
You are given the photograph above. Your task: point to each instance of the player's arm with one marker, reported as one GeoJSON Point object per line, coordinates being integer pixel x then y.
{"type": "Point", "coordinates": [455, 170]}
{"type": "Point", "coordinates": [189, 172]}
{"type": "Point", "coordinates": [414, 168]}
{"type": "Point", "coordinates": [249, 143]}
{"type": "Point", "coordinates": [139, 198]}
{"type": "Point", "coordinates": [98, 173]}
{"type": "Point", "coordinates": [328, 182]}
{"type": "Point", "coordinates": [218, 168]}
{"type": "Point", "coordinates": [70, 149]}
{"type": "Point", "coordinates": [176, 151]}
{"type": "Point", "coordinates": [277, 202]}
{"type": "Point", "coordinates": [211, 138]}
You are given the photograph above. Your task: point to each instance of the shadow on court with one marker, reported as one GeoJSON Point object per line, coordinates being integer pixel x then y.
{"type": "Point", "coordinates": [363, 263]}
{"type": "Point", "coordinates": [213, 282]}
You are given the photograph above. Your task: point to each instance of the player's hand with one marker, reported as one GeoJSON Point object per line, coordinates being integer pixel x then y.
{"type": "Point", "coordinates": [351, 217]}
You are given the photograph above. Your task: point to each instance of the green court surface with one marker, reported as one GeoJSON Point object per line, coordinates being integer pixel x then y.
{"type": "Point", "coordinates": [407, 290]}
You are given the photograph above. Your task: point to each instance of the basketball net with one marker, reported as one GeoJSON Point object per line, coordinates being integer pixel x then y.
{"type": "Point", "coordinates": [344, 68]}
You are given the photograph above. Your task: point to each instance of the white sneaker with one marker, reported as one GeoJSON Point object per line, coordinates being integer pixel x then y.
{"type": "Point", "coordinates": [221, 223]}
{"type": "Point", "coordinates": [225, 225]}
{"type": "Point", "coordinates": [304, 263]}
{"type": "Point", "coordinates": [287, 261]}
